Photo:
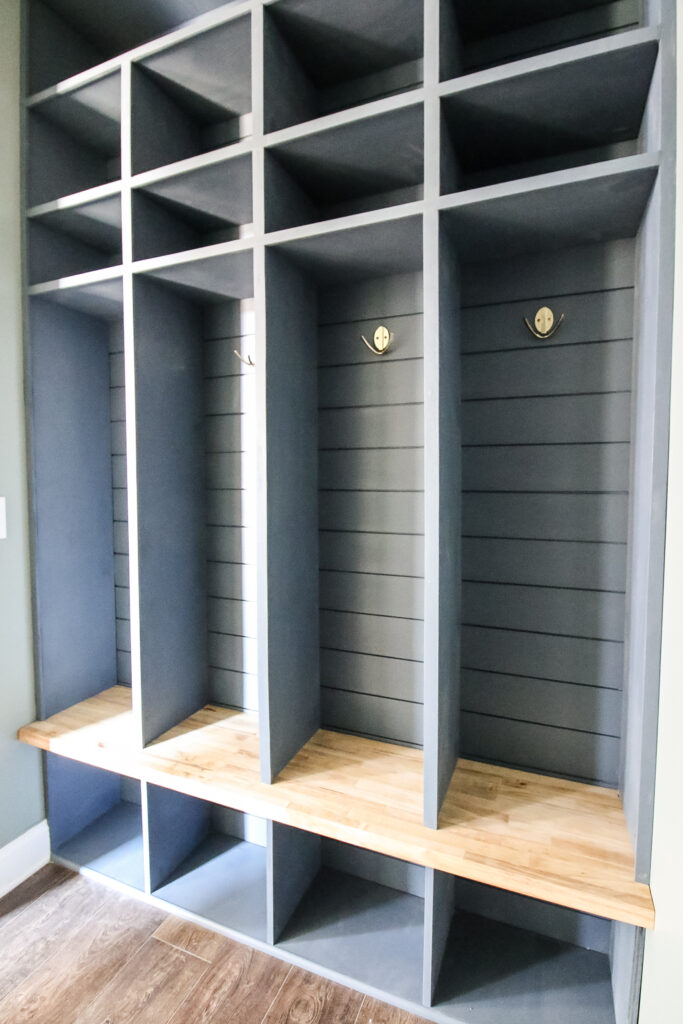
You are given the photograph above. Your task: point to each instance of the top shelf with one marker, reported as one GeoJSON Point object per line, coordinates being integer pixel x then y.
{"type": "Point", "coordinates": [563, 842]}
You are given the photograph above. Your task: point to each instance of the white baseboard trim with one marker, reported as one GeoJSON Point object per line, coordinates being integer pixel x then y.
{"type": "Point", "coordinates": [23, 856]}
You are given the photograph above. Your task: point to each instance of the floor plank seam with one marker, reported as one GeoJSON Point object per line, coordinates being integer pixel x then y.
{"type": "Point", "coordinates": [275, 997]}
{"type": "Point", "coordinates": [360, 1009]}
{"type": "Point", "coordinates": [180, 949]}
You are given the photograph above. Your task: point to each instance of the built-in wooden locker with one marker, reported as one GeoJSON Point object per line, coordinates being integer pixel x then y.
{"type": "Point", "coordinates": [352, 652]}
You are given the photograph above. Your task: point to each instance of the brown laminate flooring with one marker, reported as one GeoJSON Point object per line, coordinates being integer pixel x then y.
{"type": "Point", "coordinates": [75, 952]}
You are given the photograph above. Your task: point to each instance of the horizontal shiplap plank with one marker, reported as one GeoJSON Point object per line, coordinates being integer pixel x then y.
{"type": "Point", "coordinates": [118, 438]}
{"type": "Point", "coordinates": [400, 469]}
{"type": "Point", "coordinates": [390, 426]}
{"type": "Point", "coordinates": [565, 419]}
{"type": "Point", "coordinates": [120, 504]}
{"type": "Point", "coordinates": [366, 673]}
{"type": "Point", "coordinates": [395, 554]}
{"type": "Point", "coordinates": [227, 508]}
{"type": "Point", "coordinates": [116, 370]}
{"type": "Point", "coordinates": [237, 582]}
{"type": "Point", "coordinates": [122, 602]}
{"type": "Point", "coordinates": [563, 658]}
{"type": "Point", "coordinates": [232, 432]}
{"type": "Point", "coordinates": [576, 517]}
{"type": "Point", "coordinates": [121, 570]}
{"type": "Point", "coordinates": [378, 383]}
{"type": "Point", "coordinates": [230, 319]}
{"type": "Point", "coordinates": [226, 470]}
{"type": "Point", "coordinates": [117, 404]}
{"type": "Point", "coordinates": [577, 369]}
{"type": "Point", "coordinates": [372, 634]}
{"type": "Point", "coordinates": [235, 689]}
{"type": "Point", "coordinates": [231, 544]}
{"type": "Point", "coordinates": [586, 708]}
{"type": "Point", "coordinates": [586, 268]}
{"type": "Point", "coordinates": [121, 538]}
{"type": "Point", "coordinates": [597, 316]}
{"type": "Point", "coordinates": [570, 467]}
{"type": "Point", "coordinates": [545, 563]}
{"type": "Point", "coordinates": [584, 613]}
{"type": "Point", "coordinates": [234, 652]}
{"type": "Point", "coordinates": [118, 471]}
{"type": "Point", "coordinates": [220, 359]}
{"type": "Point", "coordinates": [231, 616]}
{"type": "Point", "coordinates": [383, 297]}
{"type": "Point", "coordinates": [375, 511]}
{"type": "Point", "coordinates": [224, 394]}
{"type": "Point", "coordinates": [542, 748]}
{"type": "Point", "coordinates": [343, 343]}
{"type": "Point", "coordinates": [124, 672]}
{"type": "Point", "coordinates": [122, 635]}
{"type": "Point", "coordinates": [394, 720]}
{"type": "Point", "coordinates": [372, 594]}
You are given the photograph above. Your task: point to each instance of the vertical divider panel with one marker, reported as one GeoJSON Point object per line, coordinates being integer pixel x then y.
{"type": "Point", "coordinates": [171, 506]}
{"type": "Point", "coordinates": [289, 672]}
{"type": "Point", "coordinates": [294, 859]}
{"type": "Point", "coordinates": [442, 466]}
{"type": "Point", "coordinates": [177, 824]}
{"type": "Point", "coordinates": [439, 906]}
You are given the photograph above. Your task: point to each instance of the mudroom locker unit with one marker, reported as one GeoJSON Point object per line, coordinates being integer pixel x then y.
{"type": "Point", "coordinates": [348, 332]}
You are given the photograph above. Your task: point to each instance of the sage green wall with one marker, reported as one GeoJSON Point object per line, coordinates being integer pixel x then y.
{"type": "Point", "coordinates": [21, 792]}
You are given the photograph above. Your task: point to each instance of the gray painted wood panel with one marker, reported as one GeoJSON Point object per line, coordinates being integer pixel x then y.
{"type": "Point", "coordinates": [72, 505]}
{"type": "Point", "coordinates": [545, 563]}
{"type": "Point", "coordinates": [565, 468]}
{"type": "Point", "coordinates": [294, 859]}
{"type": "Point", "coordinates": [569, 659]}
{"type": "Point", "coordinates": [574, 517]}
{"type": "Point", "coordinates": [372, 593]}
{"type": "Point", "coordinates": [562, 419]}
{"type": "Point", "coordinates": [371, 477]}
{"type": "Point", "coordinates": [120, 496]}
{"type": "Point", "coordinates": [375, 867]}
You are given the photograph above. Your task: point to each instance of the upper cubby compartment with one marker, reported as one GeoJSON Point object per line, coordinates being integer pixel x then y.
{"type": "Point", "coordinates": [66, 239]}
{"type": "Point", "coordinates": [69, 36]}
{"type": "Point", "coordinates": [322, 56]}
{"type": "Point", "coordinates": [74, 141]}
{"type": "Point", "coordinates": [193, 97]}
{"type": "Point", "coordinates": [204, 205]}
{"type": "Point", "coordinates": [363, 165]}
{"type": "Point", "coordinates": [546, 114]}
{"type": "Point", "coordinates": [480, 35]}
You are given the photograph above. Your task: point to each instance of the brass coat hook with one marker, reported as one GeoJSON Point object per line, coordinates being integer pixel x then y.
{"type": "Point", "coordinates": [381, 341]}
{"type": "Point", "coordinates": [247, 362]}
{"type": "Point", "coordinates": [544, 325]}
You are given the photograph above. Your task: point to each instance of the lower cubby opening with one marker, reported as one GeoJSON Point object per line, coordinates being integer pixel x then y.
{"type": "Point", "coordinates": [518, 959]}
{"type": "Point", "coordinates": [209, 860]}
{"type": "Point", "coordinates": [95, 820]}
{"type": "Point", "coordinates": [357, 913]}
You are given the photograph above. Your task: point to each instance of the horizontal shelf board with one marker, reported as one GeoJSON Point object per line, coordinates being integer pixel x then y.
{"type": "Point", "coordinates": [95, 293]}
{"type": "Point", "coordinates": [95, 223]}
{"type": "Point", "coordinates": [362, 930]}
{"type": "Point", "coordinates": [596, 203]}
{"type": "Point", "coordinates": [89, 195]}
{"type": "Point", "coordinates": [312, 232]}
{"type": "Point", "coordinates": [555, 840]}
{"type": "Point", "coordinates": [222, 14]}
{"type": "Point", "coordinates": [111, 845]}
{"type": "Point", "coordinates": [207, 276]}
{"type": "Point", "coordinates": [223, 880]}
{"type": "Point", "coordinates": [377, 247]}
{"type": "Point", "coordinates": [192, 163]}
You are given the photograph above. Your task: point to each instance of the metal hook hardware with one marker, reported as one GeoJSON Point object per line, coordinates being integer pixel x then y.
{"type": "Point", "coordinates": [382, 339]}
{"type": "Point", "coordinates": [544, 325]}
{"type": "Point", "coordinates": [247, 362]}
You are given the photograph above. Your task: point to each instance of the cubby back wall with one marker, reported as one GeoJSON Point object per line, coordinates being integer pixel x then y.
{"type": "Point", "coordinates": [370, 437]}
{"type": "Point", "coordinates": [546, 428]}
{"type": "Point", "coordinates": [117, 405]}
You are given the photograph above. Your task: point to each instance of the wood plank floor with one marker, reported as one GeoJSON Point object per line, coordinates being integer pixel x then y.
{"type": "Point", "coordinates": [554, 840]}
{"type": "Point", "coordinates": [75, 952]}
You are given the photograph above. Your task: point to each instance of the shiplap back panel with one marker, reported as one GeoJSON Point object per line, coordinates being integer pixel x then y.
{"type": "Point", "coordinates": [546, 429]}
{"type": "Point", "coordinates": [370, 437]}
{"type": "Point", "coordinates": [231, 510]}
{"type": "Point", "coordinates": [117, 394]}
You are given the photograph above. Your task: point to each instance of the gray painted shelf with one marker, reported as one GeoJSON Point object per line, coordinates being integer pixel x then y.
{"type": "Point", "coordinates": [456, 546]}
